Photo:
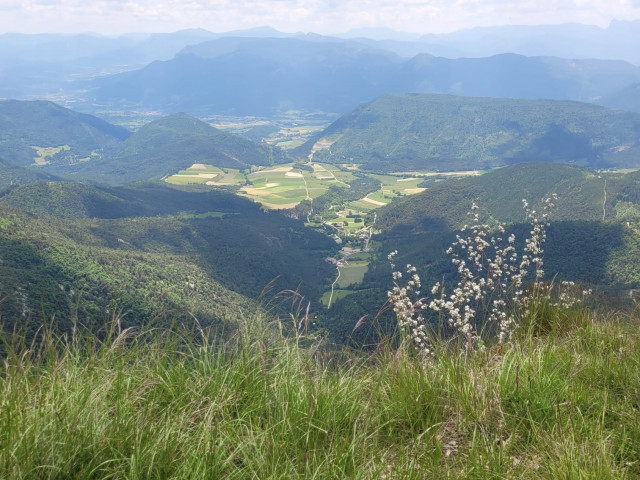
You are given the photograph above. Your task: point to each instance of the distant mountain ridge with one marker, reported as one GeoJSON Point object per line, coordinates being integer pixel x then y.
{"type": "Point", "coordinates": [627, 98]}
{"type": "Point", "coordinates": [617, 41]}
{"type": "Point", "coordinates": [267, 76]}
{"type": "Point", "coordinates": [256, 76]}
{"type": "Point", "coordinates": [66, 66]}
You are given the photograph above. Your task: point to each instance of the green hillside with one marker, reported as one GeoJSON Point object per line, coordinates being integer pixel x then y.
{"type": "Point", "coordinates": [443, 132]}
{"type": "Point", "coordinates": [46, 134]}
{"type": "Point", "coordinates": [54, 269]}
{"type": "Point", "coordinates": [11, 175]}
{"type": "Point", "coordinates": [77, 200]}
{"type": "Point", "coordinates": [173, 143]}
{"type": "Point", "coordinates": [64, 200]}
{"type": "Point", "coordinates": [583, 195]}
{"type": "Point", "coordinates": [627, 98]}
{"type": "Point", "coordinates": [187, 256]}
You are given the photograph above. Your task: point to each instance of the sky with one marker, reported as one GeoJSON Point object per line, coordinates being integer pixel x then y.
{"type": "Point", "coordinates": [114, 17]}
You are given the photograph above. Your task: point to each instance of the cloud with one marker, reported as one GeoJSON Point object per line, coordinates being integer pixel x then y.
{"type": "Point", "coordinates": [7, 6]}
{"type": "Point", "coordinates": [322, 16]}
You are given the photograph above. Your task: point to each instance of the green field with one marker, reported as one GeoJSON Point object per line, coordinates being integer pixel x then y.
{"type": "Point", "coordinates": [338, 294]}
{"type": "Point", "coordinates": [291, 137]}
{"type": "Point", "coordinates": [280, 186]}
{"type": "Point", "coordinates": [351, 274]}
{"type": "Point", "coordinates": [351, 225]}
{"type": "Point", "coordinates": [284, 186]}
{"type": "Point", "coordinates": [392, 187]}
{"type": "Point", "coordinates": [207, 174]}
{"type": "Point", "coordinates": [282, 133]}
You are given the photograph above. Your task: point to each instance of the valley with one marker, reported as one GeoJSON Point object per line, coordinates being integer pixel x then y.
{"type": "Point", "coordinates": [285, 186]}
{"type": "Point", "coordinates": [364, 183]}
{"type": "Point", "coordinates": [270, 255]}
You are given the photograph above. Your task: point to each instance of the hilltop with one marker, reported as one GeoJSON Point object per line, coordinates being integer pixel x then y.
{"type": "Point", "coordinates": [44, 133]}
{"type": "Point", "coordinates": [173, 143]}
{"type": "Point", "coordinates": [406, 132]}
{"type": "Point", "coordinates": [53, 139]}
{"type": "Point", "coordinates": [581, 196]}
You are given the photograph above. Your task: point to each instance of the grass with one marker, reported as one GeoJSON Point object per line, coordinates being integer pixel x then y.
{"type": "Point", "coordinates": [259, 405]}
{"type": "Point", "coordinates": [353, 273]}
{"type": "Point", "coordinates": [338, 294]}
{"type": "Point", "coordinates": [207, 174]}
{"type": "Point", "coordinates": [284, 185]}
{"type": "Point", "coordinates": [281, 186]}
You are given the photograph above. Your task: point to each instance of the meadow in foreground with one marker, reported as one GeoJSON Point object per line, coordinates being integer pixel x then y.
{"type": "Point", "coordinates": [561, 400]}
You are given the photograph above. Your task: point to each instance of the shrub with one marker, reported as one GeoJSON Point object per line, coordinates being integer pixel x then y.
{"type": "Point", "coordinates": [490, 291]}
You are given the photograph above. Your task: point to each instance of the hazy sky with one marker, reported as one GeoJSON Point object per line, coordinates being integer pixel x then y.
{"type": "Point", "coordinates": [321, 16]}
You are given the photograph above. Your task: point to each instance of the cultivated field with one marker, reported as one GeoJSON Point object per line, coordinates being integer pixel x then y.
{"type": "Point", "coordinates": [285, 186]}
{"type": "Point", "coordinates": [199, 173]}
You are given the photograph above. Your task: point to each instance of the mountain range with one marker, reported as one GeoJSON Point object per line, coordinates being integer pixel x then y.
{"type": "Point", "coordinates": [265, 72]}
{"type": "Point", "coordinates": [266, 77]}
{"type": "Point", "coordinates": [569, 40]}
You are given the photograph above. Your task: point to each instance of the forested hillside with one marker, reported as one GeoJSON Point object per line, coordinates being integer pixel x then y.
{"type": "Point", "coordinates": [44, 133]}
{"type": "Point", "coordinates": [442, 132]}
{"type": "Point", "coordinates": [11, 174]}
{"type": "Point", "coordinates": [186, 257]}
{"type": "Point", "coordinates": [174, 143]}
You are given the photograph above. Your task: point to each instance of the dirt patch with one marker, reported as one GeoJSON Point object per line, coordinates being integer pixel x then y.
{"type": "Point", "coordinates": [256, 189]}
{"type": "Point", "coordinates": [407, 179]}
{"type": "Point", "coordinates": [198, 166]}
{"type": "Point", "coordinates": [464, 173]}
{"type": "Point", "coordinates": [200, 175]}
{"type": "Point", "coordinates": [277, 170]}
{"type": "Point", "coordinates": [323, 144]}
{"type": "Point", "coordinates": [293, 174]}
{"type": "Point", "coordinates": [258, 192]}
{"type": "Point", "coordinates": [218, 184]}
{"type": "Point", "coordinates": [412, 191]}
{"type": "Point", "coordinates": [278, 206]}
{"type": "Point", "coordinates": [373, 202]}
